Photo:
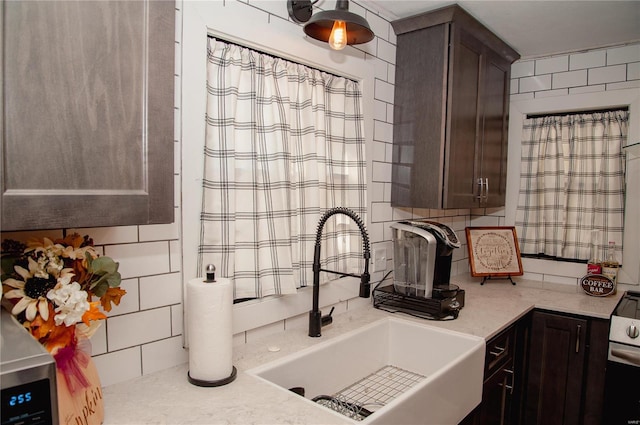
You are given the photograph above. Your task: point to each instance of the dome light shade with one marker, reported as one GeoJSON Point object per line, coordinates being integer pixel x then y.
{"type": "Point", "coordinates": [321, 25]}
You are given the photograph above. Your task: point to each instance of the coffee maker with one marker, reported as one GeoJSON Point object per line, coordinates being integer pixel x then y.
{"type": "Point", "coordinates": [422, 254]}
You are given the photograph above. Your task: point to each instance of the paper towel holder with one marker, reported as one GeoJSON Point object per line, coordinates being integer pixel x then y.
{"type": "Point", "coordinates": [210, 272]}
{"type": "Point", "coordinates": [214, 383]}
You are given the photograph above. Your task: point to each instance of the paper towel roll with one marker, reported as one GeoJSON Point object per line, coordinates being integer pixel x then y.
{"type": "Point", "coordinates": [209, 329]}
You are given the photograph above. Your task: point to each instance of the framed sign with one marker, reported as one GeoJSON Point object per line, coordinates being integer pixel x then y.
{"type": "Point", "coordinates": [493, 251]}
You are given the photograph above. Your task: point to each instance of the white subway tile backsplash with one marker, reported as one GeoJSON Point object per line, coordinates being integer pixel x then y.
{"type": "Point", "coordinates": [163, 354]}
{"type": "Point", "coordinates": [586, 60]}
{"type": "Point", "coordinates": [623, 54]}
{"type": "Point", "coordinates": [160, 290]}
{"type": "Point", "coordinates": [381, 212]}
{"type": "Point", "coordinates": [537, 83]}
{"type": "Point", "coordinates": [521, 96]}
{"type": "Point", "coordinates": [277, 8]}
{"type": "Point", "coordinates": [141, 259]}
{"type": "Point", "coordinates": [119, 366]}
{"type": "Point", "coordinates": [587, 89]}
{"type": "Point", "coordinates": [523, 69]}
{"type": "Point", "coordinates": [376, 231]}
{"type": "Point", "coordinates": [633, 71]}
{"type": "Point", "coordinates": [552, 64]}
{"type": "Point", "coordinates": [624, 85]}
{"type": "Point", "coordinates": [515, 86]}
{"type": "Point", "coordinates": [377, 192]}
{"type": "Point", "coordinates": [380, 111]}
{"type": "Point", "coordinates": [551, 93]}
{"type": "Point", "coordinates": [138, 328]}
{"type": "Point", "coordinates": [177, 322]}
{"type": "Point", "coordinates": [484, 221]}
{"type": "Point", "coordinates": [569, 79]}
{"type": "Point", "coordinates": [130, 302]}
{"type": "Point", "coordinates": [379, 151]}
{"type": "Point", "coordinates": [383, 91]}
{"type": "Point", "coordinates": [99, 339]}
{"type": "Point", "coordinates": [392, 73]}
{"type": "Point", "coordinates": [380, 69]}
{"type": "Point", "coordinates": [381, 171]}
{"type": "Point", "coordinates": [386, 51]}
{"type": "Point", "coordinates": [159, 232]}
{"type": "Point", "coordinates": [387, 191]}
{"type": "Point", "coordinates": [109, 235]}
{"type": "Point", "coordinates": [383, 132]}
{"type": "Point", "coordinates": [175, 254]}
{"type": "Point", "coordinates": [607, 74]}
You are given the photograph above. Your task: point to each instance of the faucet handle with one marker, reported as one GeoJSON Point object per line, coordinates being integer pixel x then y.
{"type": "Point", "coordinates": [327, 319]}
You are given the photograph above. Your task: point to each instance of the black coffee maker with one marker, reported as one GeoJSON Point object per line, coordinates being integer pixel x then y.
{"type": "Point", "coordinates": [423, 252]}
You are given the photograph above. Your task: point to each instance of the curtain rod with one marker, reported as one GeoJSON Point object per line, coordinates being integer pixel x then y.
{"type": "Point", "coordinates": [274, 56]}
{"type": "Point", "coordinates": [565, 113]}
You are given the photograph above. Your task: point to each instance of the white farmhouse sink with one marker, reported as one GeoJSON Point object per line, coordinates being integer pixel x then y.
{"type": "Point", "coordinates": [449, 368]}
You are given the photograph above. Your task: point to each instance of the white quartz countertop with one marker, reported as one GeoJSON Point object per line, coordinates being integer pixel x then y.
{"type": "Point", "coordinates": [166, 397]}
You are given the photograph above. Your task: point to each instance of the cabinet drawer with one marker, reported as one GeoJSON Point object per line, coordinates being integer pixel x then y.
{"type": "Point", "coordinates": [499, 351]}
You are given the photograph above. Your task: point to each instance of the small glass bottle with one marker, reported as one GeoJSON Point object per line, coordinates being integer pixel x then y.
{"type": "Point", "coordinates": [594, 265]}
{"type": "Point", "coordinates": [610, 265]}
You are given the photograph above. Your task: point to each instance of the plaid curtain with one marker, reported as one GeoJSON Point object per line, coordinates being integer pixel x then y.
{"type": "Point", "coordinates": [284, 143]}
{"type": "Point", "coordinates": [572, 181]}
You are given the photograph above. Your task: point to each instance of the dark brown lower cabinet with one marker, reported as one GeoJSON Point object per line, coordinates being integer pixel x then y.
{"type": "Point", "coordinates": [566, 371]}
{"type": "Point", "coordinates": [546, 369]}
{"type": "Point", "coordinates": [505, 359]}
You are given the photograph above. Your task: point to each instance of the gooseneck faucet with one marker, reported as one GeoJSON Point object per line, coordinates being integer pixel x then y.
{"type": "Point", "coordinates": [316, 320]}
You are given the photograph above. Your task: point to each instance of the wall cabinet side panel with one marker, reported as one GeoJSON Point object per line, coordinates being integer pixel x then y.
{"type": "Point", "coordinates": [419, 114]}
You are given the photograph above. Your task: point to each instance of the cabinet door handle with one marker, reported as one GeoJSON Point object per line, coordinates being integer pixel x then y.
{"type": "Point", "coordinates": [578, 338]}
{"type": "Point", "coordinates": [480, 183]}
{"type": "Point", "coordinates": [486, 189]}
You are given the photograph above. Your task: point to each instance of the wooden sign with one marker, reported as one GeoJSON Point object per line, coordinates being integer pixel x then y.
{"type": "Point", "coordinates": [598, 285]}
{"type": "Point", "coordinates": [493, 251]}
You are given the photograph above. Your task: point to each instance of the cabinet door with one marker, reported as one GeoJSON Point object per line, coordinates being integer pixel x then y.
{"type": "Point", "coordinates": [88, 107]}
{"type": "Point", "coordinates": [497, 395]}
{"type": "Point", "coordinates": [494, 129]}
{"type": "Point", "coordinates": [463, 141]}
{"type": "Point", "coordinates": [556, 366]}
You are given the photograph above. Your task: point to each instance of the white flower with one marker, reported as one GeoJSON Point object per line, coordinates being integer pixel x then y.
{"type": "Point", "coordinates": [31, 289]}
{"type": "Point", "coordinates": [71, 302]}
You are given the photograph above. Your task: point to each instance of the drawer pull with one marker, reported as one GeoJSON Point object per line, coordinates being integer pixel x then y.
{"type": "Point", "coordinates": [498, 351]}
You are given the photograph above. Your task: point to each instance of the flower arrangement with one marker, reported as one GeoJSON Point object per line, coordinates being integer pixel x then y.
{"type": "Point", "coordinates": [56, 288]}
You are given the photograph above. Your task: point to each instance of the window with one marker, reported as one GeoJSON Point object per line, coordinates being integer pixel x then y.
{"type": "Point", "coordinates": [284, 143]}
{"type": "Point", "coordinates": [519, 109]}
{"type": "Point", "coordinates": [572, 182]}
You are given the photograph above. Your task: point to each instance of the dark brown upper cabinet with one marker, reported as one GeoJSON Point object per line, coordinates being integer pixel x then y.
{"type": "Point", "coordinates": [450, 112]}
{"type": "Point", "coordinates": [87, 113]}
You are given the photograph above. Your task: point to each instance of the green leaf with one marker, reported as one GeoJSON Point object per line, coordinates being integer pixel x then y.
{"type": "Point", "coordinates": [7, 263]}
{"type": "Point", "coordinates": [100, 289]}
{"type": "Point", "coordinates": [103, 265]}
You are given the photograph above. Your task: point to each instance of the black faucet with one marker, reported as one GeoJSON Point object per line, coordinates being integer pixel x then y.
{"type": "Point", "coordinates": [316, 320]}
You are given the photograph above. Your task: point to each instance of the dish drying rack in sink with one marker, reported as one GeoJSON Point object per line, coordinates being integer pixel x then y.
{"type": "Point", "coordinates": [364, 397]}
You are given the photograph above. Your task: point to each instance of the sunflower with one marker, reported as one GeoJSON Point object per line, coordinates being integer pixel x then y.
{"type": "Point", "coordinates": [32, 290]}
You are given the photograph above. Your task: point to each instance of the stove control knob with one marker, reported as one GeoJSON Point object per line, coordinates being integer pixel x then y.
{"type": "Point", "coordinates": [632, 331]}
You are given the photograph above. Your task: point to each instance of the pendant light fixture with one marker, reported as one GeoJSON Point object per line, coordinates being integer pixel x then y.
{"type": "Point", "coordinates": [338, 27]}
